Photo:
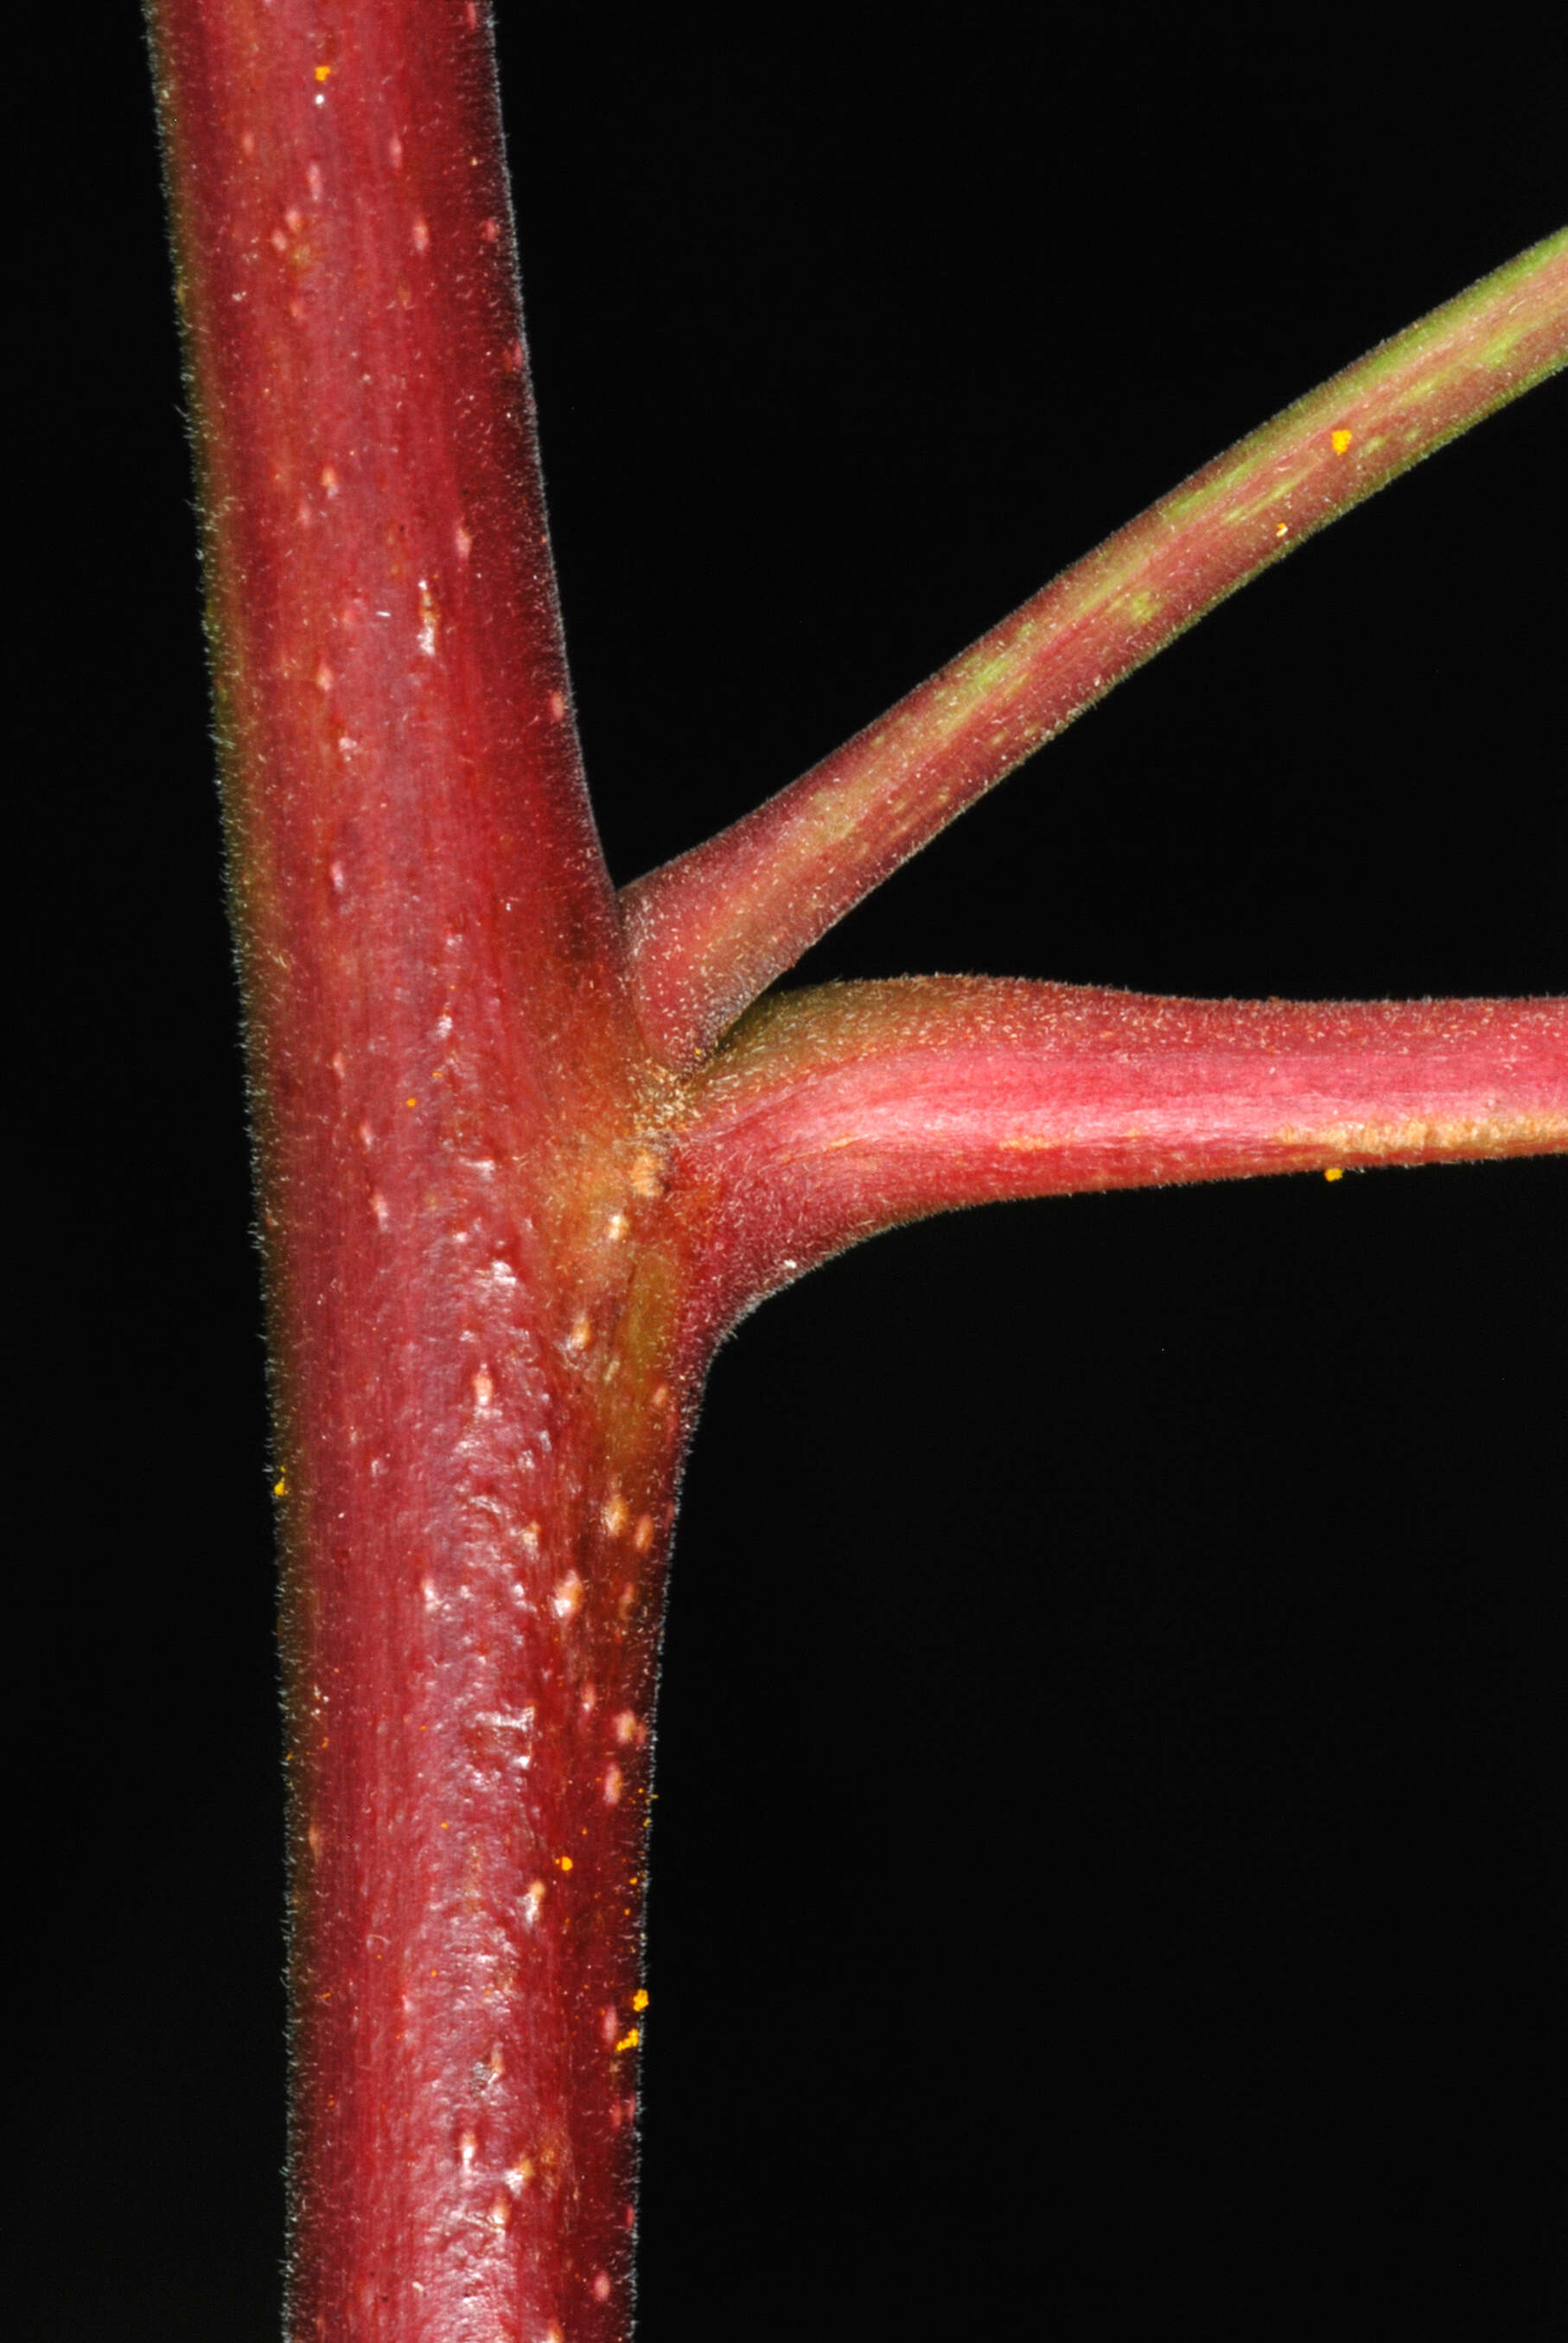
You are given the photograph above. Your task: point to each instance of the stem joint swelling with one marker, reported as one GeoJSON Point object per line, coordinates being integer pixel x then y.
{"type": "Point", "coordinates": [520, 1165]}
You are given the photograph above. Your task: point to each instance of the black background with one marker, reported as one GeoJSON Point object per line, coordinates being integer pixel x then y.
{"type": "Point", "coordinates": [1113, 1859]}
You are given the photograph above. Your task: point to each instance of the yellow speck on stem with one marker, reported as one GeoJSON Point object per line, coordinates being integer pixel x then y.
{"type": "Point", "coordinates": [1334, 1172]}
{"type": "Point", "coordinates": [280, 1486]}
{"type": "Point", "coordinates": [1341, 440]}
{"type": "Point", "coordinates": [324, 73]}
{"type": "Point", "coordinates": [639, 1998]}
{"type": "Point", "coordinates": [629, 2040]}
{"type": "Point", "coordinates": [563, 1861]}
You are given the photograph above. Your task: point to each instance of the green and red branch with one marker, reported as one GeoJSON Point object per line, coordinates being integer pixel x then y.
{"type": "Point", "coordinates": [711, 930]}
{"type": "Point", "coordinates": [505, 1219]}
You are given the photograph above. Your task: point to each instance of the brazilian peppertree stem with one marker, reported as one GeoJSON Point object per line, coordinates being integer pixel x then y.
{"type": "Point", "coordinates": [505, 1222]}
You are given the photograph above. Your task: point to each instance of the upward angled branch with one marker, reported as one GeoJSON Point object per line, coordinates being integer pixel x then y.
{"type": "Point", "coordinates": [711, 930]}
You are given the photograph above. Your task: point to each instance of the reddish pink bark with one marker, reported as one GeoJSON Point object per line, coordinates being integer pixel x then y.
{"type": "Point", "coordinates": [501, 1238]}
{"type": "Point", "coordinates": [442, 1067]}
{"type": "Point", "coordinates": [836, 1113]}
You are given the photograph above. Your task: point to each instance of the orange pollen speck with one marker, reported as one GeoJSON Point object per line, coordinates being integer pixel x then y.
{"type": "Point", "coordinates": [1341, 440]}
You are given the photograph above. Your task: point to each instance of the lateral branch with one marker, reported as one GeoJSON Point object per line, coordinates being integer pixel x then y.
{"type": "Point", "coordinates": [710, 930]}
{"type": "Point", "coordinates": [834, 1113]}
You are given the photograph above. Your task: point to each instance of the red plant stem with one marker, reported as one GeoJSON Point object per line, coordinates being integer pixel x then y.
{"type": "Point", "coordinates": [837, 1112]}
{"type": "Point", "coordinates": [501, 1238]}
{"type": "Point", "coordinates": [478, 1422]}
{"type": "Point", "coordinates": [712, 929]}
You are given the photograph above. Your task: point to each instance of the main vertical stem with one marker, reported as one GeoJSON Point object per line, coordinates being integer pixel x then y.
{"type": "Point", "coordinates": [478, 1427]}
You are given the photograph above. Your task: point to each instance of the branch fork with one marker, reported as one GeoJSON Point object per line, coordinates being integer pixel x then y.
{"type": "Point", "coordinates": [524, 1150]}
{"type": "Point", "coordinates": [711, 930]}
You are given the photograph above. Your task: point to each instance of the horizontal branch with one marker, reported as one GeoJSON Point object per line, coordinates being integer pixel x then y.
{"type": "Point", "coordinates": [711, 930]}
{"type": "Point", "coordinates": [836, 1112]}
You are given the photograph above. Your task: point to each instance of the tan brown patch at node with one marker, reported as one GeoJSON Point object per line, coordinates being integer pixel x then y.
{"type": "Point", "coordinates": [646, 1174]}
